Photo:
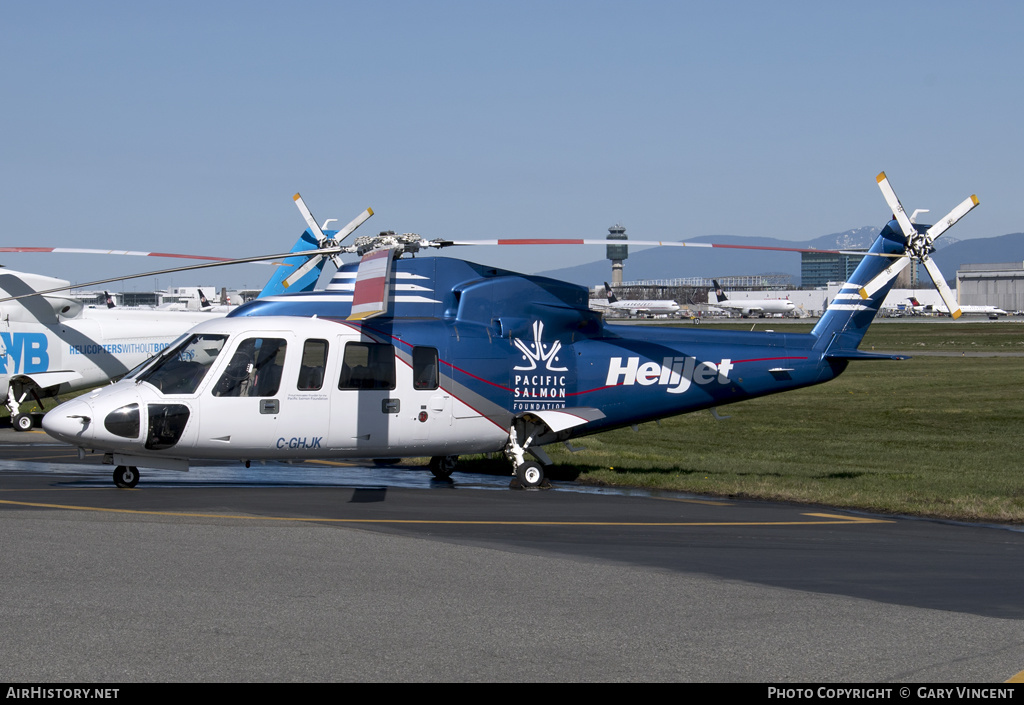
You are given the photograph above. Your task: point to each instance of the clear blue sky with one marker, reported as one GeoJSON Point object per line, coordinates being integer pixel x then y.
{"type": "Point", "coordinates": [187, 126]}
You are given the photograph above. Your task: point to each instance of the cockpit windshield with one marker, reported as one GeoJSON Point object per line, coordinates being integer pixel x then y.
{"type": "Point", "coordinates": [182, 367]}
{"type": "Point", "coordinates": [152, 358]}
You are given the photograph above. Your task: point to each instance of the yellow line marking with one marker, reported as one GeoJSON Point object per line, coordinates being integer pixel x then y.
{"type": "Point", "coordinates": [836, 519]}
{"type": "Point", "coordinates": [59, 489]}
{"type": "Point", "coordinates": [853, 520]}
{"type": "Point", "coordinates": [1016, 678]}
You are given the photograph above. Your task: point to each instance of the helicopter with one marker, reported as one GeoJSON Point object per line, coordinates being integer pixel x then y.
{"type": "Point", "coordinates": [439, 357]}
{"type": "Point", "coordinates": [52, 344]}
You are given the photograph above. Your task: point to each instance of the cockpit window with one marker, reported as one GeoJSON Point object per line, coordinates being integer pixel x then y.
{"type": "Point", "coordinates": [254, 369]}
{"type": "Point", "coordinates": [149, 360]}
{"type": "Point", "coordinates": [182, 368]}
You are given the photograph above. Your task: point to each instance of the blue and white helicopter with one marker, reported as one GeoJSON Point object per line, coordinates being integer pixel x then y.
{"type": "Point", "coordinates": [432, 356]}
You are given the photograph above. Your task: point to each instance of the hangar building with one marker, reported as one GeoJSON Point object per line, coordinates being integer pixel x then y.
{"type": "Point", "coordinates": [999, 285]}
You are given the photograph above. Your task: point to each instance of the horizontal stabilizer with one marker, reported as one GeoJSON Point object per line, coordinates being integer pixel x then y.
{"type": "Point", "coordinates": [50, 379]}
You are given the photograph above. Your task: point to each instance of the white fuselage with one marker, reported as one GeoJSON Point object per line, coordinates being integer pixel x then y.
{"type": "Point", "coordinates": [757, 307]}
{"type": "Point", "coordinates": [307, 411]}
{"type": "Point", "coordinates": [637, 307]}
{"type": "Point", "coordinates": [990, 311]}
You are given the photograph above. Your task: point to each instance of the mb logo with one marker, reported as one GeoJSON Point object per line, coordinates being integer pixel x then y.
{"type": "Point", "coordinates": [23, 353]}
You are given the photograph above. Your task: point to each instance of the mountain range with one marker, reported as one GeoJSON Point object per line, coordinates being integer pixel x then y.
{"type": "Point", "coordinates": [670, 263]}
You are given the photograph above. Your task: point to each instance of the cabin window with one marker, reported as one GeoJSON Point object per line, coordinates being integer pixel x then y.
{"type": "Point", "coordinates": [254, 369]}
{"type": "Point", "coordinates": [311, 369]}
{"type": "Point", "coordinates": [367, 366]}
{"type": "Point", "coordinates": [180, 369]}
{"type": "Point", "coordinates": [424, 368]}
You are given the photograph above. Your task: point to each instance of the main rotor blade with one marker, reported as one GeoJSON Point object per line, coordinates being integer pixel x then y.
{"type": "Point", "coordinates": [268, 259]}
{"type": "Point", "coordinates": [897, 208]}
{"type": "Point", "coordinates": [373, 285]}
{"type": "Point", "coordinates": [86, 251]}
{"type": "Point", "coordinates": [642, 243]}
{"type": "Point", "coordinates": [940, 283]}
{"type": "Point", "coordinates": [951, 218]}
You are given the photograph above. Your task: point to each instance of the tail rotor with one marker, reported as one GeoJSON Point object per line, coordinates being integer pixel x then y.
{"type": "Point", "coordinates": [323, 241]}
{"type": "Point", "coordinates": [919, 245]}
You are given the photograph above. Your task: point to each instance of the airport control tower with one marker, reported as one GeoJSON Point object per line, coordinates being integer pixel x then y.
{"type": "Point", "coordinates": [617, 252]}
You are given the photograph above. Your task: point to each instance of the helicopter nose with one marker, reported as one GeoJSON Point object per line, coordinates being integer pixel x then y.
{"type": "Point", "coordinates": [72, 421]}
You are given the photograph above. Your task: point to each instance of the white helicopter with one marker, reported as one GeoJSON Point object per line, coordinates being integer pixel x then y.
{"type": "Point", "coordinates": [440, 357]}
{"type": "Point", "coordinates": [51, 344]}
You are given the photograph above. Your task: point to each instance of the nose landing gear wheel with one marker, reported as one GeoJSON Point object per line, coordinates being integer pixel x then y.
{"type": "Point", "coordinates": [126, 476]}
{"type": "Point", "coordinates": [530, 474]}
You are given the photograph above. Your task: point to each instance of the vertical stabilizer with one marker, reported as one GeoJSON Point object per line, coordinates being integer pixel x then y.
{"type": "Point", "coordinates": [610, 294]}
{"type": "Point", "coordinates": [307, 241]}
{"type": "Point", "coordinates": [844, 324]}
{"type": "Point", "coordinates": [719, 294]}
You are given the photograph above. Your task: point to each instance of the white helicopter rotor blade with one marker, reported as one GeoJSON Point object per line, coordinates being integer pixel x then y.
{"type": "Point", "coordinates": [897, 208]}
{"type": "Point", "coordinates": [277, 260]}
{"type": "Point", "coordinates": [951, 218]}
{"type": "Point", "coordinates": [884, 277]}
{"type": "Point", "coordinates": [638, 243]}
{"type": "Point", "coordinates": [940, 283]}
{"type": "Point", "coordinates": [356, 222]}
{"type": "Point", "coordinates": [299, 273]}
{"type": "Point", "coordinates": [373, 284]}
{"type": "Point", "coordinates": [314, 227]}
{"type": "Point", "coordinates": [87, 251]}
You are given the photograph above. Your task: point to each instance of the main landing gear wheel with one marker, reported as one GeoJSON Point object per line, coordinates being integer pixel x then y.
{"type": "Point", "coordinates": [442, 466]}
{"type": "Point", "coordinates": [530, 474]}
{"type": "Point", "coordinates": [126, 476]}
{"type": "Point", "coordinates": [22, 422]}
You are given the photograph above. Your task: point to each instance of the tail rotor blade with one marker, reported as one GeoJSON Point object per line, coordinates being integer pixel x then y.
{"type": "Point", "coordinates": [308, 266]}
{"type": "Point", "coordinates": [884, 277]}
{"type": "Point", "coordinates": [897, 208]}
{"type": "Point", "coordinates": [940, 283]}
{"type": "Point", "coordinates": [356, 222]}
{"type": "Point", "coordinates": [951, 218]}
{"type": "Point", "coordinates": [314, 227]}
